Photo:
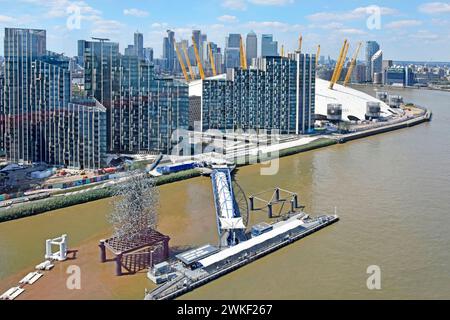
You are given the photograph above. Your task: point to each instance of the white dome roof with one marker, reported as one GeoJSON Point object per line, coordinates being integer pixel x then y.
{"type": "Point", "coordinates": [354, 102]}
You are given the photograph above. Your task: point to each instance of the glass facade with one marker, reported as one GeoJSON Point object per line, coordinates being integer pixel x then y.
{"type": "Point", "coordinates": [399, 76]}
{"type": "Point", "coordinates": [2, 113]}
{"type": "Point", "coordinates": [268, 46]}
{"type": "Point", "coordinates": [280, 95]}
{"type": "Point", "coordinates": [40, 126]}
{"type": "Point", "coordinates": [142, 112]}
{"type": "Point", "coordinates": [372, 47]}
{"type": "Point", "coordinates": [85, 134]}
{"type": "Point", "coordinates": [22, 47]}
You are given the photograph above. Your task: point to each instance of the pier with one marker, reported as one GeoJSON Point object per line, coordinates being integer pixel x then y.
{"type": "Point", "coordinates": [236, 248]}
{"type": "Point", "coordinates": [228, 260]}
{"type": "Point", "coordinates": [426, 117]}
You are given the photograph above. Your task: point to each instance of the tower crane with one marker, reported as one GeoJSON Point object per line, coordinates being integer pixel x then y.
{"type": "Point", "coordinates": [188, 61]}
{"type": "Point", "coordinates": [211, 59]}
{"type": "Point", "coordinates": [199, 61]}
{"type": "Point", "coordinates": [243, 55]}
{"type": "Point", "coordinates": [180, 59]}
{"type": "Point", "coordinates": [352, 65]}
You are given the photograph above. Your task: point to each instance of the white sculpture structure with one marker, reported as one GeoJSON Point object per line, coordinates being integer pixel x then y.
{"type": "Point", "coordinates": [60, 255]}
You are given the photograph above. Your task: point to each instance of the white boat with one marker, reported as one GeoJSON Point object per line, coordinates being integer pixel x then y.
{"type": "Point", "coordinates": [12, 293]}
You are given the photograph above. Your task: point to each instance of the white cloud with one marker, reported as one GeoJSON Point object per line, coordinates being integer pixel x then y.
{"type": "Point", "coordinates": [440, 22]}
{"type": "Point", "coordinates": [400, 24]}
{"type": "Point", "coordinates": [267, 24]}
{"type": "Point", "coordinates": [435, 8]}
{"type": "Point", "coordinates": [242, 4]}
{"type": "Point", "coordinates": [358, 13]}
{"type": "Point", "coordinates": [158, 25]}
{"type": "Point", "coordinates": [425, 35]}
{"type": "Point", "coordinates": [102, 27]}
{"type": "Point", "coordinates": [227, 18]}
{"type": "Point", "coordinates": [62, 8]}
{"type": "Point", "coordinates": [135, 12]}
{"type": "Point", "coordinates": [235, 4]}
{"type": "Point", "coordinates": [271, 2]}
{"type": "Point", "coordinates": [6, 19]}
{"type": "Point", "coordinates": [351, 31]}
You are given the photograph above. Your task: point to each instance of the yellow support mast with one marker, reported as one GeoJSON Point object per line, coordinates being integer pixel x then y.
{"type": "Point", "coordinates": [352, 65]}
{"type": "Point", "coordinates": [300, 42]}
{"type": "Point", "coordinates": [188, 61]}
{"type": "Point", "coordinates": [199, 61]}
{"type": "Point", "coordinates": [282, 50]}
{"type": "Point", "coordinates": [180, 59]}
{"type": "Point", "coordinates": [243, 55]}
{"type": "Point", "coordinates": [341, 66]}
{"type": "Point", "coordinates": [338, 62]}
{"type": "Point", "coordinates": [211, 60]}
{"type": "Point", "coordinates": [317, 55]}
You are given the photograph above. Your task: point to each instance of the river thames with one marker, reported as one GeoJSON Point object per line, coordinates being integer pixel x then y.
{"type": "Point", "coordinates": [392, 192]}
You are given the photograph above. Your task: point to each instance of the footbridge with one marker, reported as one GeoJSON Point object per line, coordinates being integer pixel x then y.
{"type": "Point", "coordinates": [230, 223]}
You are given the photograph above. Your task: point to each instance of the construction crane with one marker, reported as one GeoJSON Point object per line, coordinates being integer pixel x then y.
{"type": "Point", "coordinates": [211, 59]}
{"type": "Point", "coordinates": [317, 55]}
{"type": "Point", "coordinates": [188, 61]}
{"type": "Point", "coordinates": [352, 65]}
{"type": "Point", "coordinates": [338, 62]}
{"type": "Point", "coordinates": [180, 59]}
{"type": "Point", "coordinates": [199, 61]}
{"type": "Point", "coordinates": [243, 56]}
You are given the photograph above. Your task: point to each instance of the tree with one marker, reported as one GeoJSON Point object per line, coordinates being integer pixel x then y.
{"type": "Point", "coordinates": [134, 206]}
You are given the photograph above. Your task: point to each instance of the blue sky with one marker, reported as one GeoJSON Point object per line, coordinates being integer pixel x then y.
{"type": "Point", "coordinates": [409, 30]}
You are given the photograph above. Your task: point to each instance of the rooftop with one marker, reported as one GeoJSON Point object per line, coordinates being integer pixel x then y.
{"type": "Point", "coordinates": [195, 255]}
{"type": "Point", "coordinates": [354, 102]}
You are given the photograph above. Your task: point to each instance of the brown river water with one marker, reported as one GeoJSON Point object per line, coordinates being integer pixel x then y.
{"type": "Point", "coordinates": [392, 192]}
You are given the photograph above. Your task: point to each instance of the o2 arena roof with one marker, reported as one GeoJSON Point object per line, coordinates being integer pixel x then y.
{"type": "Point", "coordinates": [354, 102]}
